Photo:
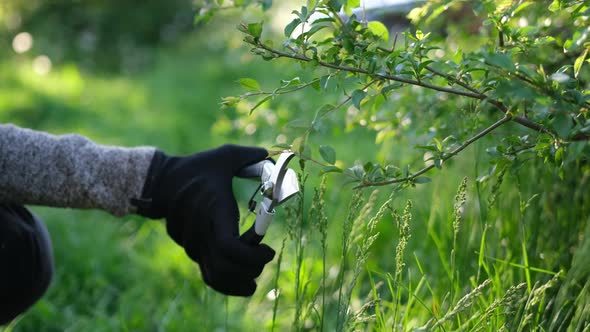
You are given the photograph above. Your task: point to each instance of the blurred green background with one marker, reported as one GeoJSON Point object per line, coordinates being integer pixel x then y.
{"type": "Point", "coordinates": [128, 74]}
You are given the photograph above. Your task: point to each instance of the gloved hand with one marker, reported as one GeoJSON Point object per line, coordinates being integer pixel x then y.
{"type": "Point", "coordinates": [194, 194]}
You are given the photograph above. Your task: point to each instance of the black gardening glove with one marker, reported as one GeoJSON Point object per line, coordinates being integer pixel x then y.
{"type": "Point", "coordinates": [194, 194]}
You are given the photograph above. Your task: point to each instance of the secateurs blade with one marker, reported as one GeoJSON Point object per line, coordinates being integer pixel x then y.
{"type": "Point", "coordinates": [278, 184]}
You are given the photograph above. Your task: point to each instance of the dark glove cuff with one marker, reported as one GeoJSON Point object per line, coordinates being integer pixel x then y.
{"type": "Point", "coordinates": [144, 204]}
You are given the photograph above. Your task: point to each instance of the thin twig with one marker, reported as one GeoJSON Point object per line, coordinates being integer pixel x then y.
{"type": "Point", "coordinates": [580, 137]}
{"type": "Point", "coordinates": [279, 91]}
{"type": "Point", "coordinates": [454, 80]}
{"type": "Point", "coordinates": [346, 100]}
{"type": "Point", "coordinates": [481, 134]}
{"type": "Point", "coordinates": [305, 158]}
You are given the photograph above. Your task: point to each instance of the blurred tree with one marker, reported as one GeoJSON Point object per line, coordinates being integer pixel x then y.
{"type": "Point", "coordinates": [103, 35]}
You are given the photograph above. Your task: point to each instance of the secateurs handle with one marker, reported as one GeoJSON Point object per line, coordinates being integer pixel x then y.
{"type": "Point", "coordinates": [278, 184]}
{"type": "Point", "coordinates": [255, 234]}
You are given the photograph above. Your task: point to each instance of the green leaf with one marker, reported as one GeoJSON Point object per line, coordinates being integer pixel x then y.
{"type": "Point", "coordinates": [392, 171]}
{"type": "Point", "coordinates": [260, 102]}
{"type": "Point", "coordinates": [350, 4]}
{"type": "Point", "coordinates": [283, 146]}
{"type": "Point", "coordinates": [357, 171]}
{"type": "Point", "coordinates": [579, 62]}
{"type": "Point", "coordinates": [449, 140]}
{"type": "Point", "coordinates": [203, 17]}
{"type": "Point", "coordinates": [424, 64]}
{"type": "Point", "coordinates": [542, 146]}
{"type": "Point", "coordinates": [559, 156]}
{"type": "Point", "coordinates": [436, 12]}
{"type": "Point", "coordinates": [316, 86]}
{"type": "Point", "coordinates": [299, 145]}
{"type": "Point", "coordinates": [390, 87]}
{"type": "Point", "coordinates": [422, 179]}
{"type": "Point", "coordinates": [522, 6]}
{"type": "Point", "coordinates": [266, 4]}
{"type": "Point", "coordinates": [315, 28]}
{"type": "Point", "coordinates": [324, 109]}
{"type": "Point", "coordinates": [438, 163]}
{"type": "Point", "coordinates": [357, 97]}
{"type": "Point", "coordinates": [229, 101]}
{"type": "Point", "coordinates": [378, 101]}
{"type": "Point", "coordinates": [255, 29]}
{"type": "Point", "coordinates": [324, 82]}
{"type": "Point", "coordinates": [420, 35]}
{"type": "Point", "coordinates": [303, 15]}
{"type": "Point", "coordinates": [379, 29]}
{"type": "Point", "coordinates": [249, 84]}
{"type": "Point", "coordinates": [369, 167]}
{"type": "Point", "coordinates": [330, 169]}
{"type": "Point", "coordinates": [500, 60]}
{"type": "Point", "coordinates": [562, 124]}
{"type": "Point", "coordinates": [493, 151]}
{"type": "Point", "coordinates": [291, 26]}
{"type": "Point", "coordinates": [328, 154]}
{"type": "Point", "coordinates": [291, 82]}
{"type": "Point", "coordinates": [438, 144]}
{"type": "Point", "coordinates": [298, 123]}
{"type": "Point", "coordinates": [353, 3]}
{"type": "Point", "coordinates": [427, 147]}
{"type": "Point", "coordinates": [568, 44]}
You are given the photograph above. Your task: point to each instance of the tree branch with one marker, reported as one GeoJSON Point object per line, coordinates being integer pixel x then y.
{"type": "Point", "coordinates": [499, 105]}
{"type": "Point", "coordinates": [481, 134]}
{"type": "Point", "coordinates": [471, 93]}
{"type": "Point", "coordinates": [395, 78]}
{"type": "Point", "coordinates": [580, 137]}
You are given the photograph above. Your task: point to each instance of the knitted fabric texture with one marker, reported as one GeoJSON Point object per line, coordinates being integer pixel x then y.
{"type": "Point", "coordinates": [69, 171]}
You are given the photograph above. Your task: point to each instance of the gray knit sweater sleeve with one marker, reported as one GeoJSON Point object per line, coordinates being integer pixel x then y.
{"type": "Point", "coordinates": [69, 171]}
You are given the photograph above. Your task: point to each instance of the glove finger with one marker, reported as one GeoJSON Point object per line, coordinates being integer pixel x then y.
{"type": "Point", "coordinates": [226, 216]}
{"type": "Point", "coordinates": [224, 276]}
{"type": "Point", "coordinates": [234, 286]}
{"type": "Point", "coordinates": [241, 156]}
{"type": "Point", "coordinates": [217, 265]}
{"type": "Point", "coordinates": [236, 250]}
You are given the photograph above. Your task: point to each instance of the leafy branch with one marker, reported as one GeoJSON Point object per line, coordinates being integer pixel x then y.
{"type": "Point", "coordinates": [470, 92]}
{"type": "Point", "coordinates": [356, 70]}
{"type": "Point", "coordinates": [554, 106]}
{"type": "Point", "coordinates": [446, 157]}
{"type": "Point", "coordinates": [482, 96]}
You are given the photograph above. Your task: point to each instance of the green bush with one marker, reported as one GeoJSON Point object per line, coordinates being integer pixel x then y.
{"type": "Point", "coordinates": [496, 239]}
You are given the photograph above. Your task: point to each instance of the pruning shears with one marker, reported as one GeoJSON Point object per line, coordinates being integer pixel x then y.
{"type": "Point", "coordinates": [278, 184]}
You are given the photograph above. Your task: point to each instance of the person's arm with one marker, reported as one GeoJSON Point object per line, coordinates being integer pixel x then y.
{"type": "Point", "coordinates": [193, 193]}
{"type": "Point", "coordinates": [69, 171]}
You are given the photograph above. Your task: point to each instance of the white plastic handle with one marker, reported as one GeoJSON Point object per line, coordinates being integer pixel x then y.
{"type": "Point", "coordinates": [263, 217]}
